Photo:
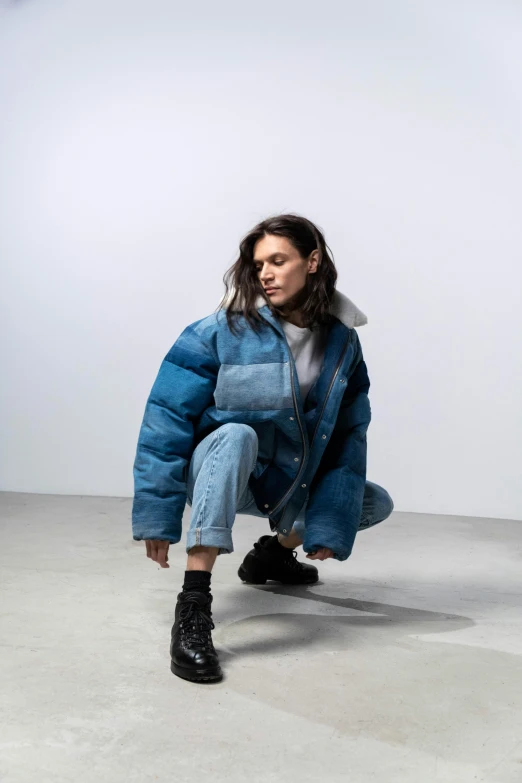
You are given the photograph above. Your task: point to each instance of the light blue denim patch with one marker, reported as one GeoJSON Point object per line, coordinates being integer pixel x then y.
{"type": "Point", "coordinates": [247, 387]}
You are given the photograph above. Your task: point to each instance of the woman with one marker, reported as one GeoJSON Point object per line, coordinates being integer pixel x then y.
{"type": "Point", "coordinates": [260, 408]}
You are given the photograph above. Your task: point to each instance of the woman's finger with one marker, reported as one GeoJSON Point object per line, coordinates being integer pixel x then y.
{"type": "Point", "coordinates": [321, 554]}
{"type": "Point", "coordinates": [163, 549]}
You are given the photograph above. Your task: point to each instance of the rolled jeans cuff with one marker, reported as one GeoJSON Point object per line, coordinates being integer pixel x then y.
{"type": "Point", "coordinates": [211, 536]}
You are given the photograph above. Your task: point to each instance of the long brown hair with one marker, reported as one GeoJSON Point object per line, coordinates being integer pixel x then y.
{"type": "Point", "coordinates": [242, 278]}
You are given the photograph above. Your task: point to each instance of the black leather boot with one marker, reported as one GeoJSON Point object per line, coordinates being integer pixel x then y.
{"type": "Point", "coordinates": [267, 561]}
{"type": "Point", "coordinates": [192, 652]}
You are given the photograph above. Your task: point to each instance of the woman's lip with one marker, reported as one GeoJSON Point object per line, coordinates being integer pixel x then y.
{"type": "Point", "coordinates": [270, 290]}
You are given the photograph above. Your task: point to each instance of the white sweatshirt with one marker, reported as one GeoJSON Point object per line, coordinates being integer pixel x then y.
{"type": "Point", "coordinates": [308, 351]}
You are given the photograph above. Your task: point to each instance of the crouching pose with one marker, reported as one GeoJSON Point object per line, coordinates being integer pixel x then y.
{"type": "Point", "coordinates": [260, 408]}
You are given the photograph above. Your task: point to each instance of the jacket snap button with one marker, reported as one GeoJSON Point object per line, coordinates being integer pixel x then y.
{"type": "Point", "coordinates": [342, 380]}
{"type": "Point", "coordinates": [291, 418]}
{"type": "Point", "coordinates": [324, 437]}
{"type": "Point", "coordinates": [303, 485]}
{"type": "Point", "coordinates": [266, 505]}
{"type": "Point", "coordinates": [296, 459]}
{"type": "Point", "coordinates": [284, 531]}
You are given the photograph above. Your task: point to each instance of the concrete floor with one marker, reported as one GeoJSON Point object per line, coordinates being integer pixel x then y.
{"type": "Point", "coordinates": [403, 664]}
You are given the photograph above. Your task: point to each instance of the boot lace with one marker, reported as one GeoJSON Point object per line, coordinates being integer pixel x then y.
{"type": "Point", "coordinates": [293, 562]}
{"type": "Point", "coordinates": [195, 624]}
{"type": "Point", "coordinates": [288, 557]}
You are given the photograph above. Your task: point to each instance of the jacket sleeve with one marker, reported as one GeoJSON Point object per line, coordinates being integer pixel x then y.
{"type": "Point", "coordinates": [183, 389]}
{"type": "Point", "coordinates": [336, 494]}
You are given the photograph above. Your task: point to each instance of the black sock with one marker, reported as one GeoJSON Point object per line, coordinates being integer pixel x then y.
{"type": "Point", "coordinates": [197, 580]}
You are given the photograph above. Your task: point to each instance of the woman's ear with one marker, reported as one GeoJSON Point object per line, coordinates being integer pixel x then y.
{"type": "Point", "coordinates": [313, 262]}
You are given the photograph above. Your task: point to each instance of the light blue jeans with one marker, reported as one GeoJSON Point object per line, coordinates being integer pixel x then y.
{"type": "Point", "coordinates": [217, 489]}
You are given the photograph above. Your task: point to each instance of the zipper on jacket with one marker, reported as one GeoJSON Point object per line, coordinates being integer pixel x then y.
{"type": "Point", "coordinates": [339, 362]}
{"type": "Point", "coordinates": [330, 389]}
{"type": "Point", "coordinates": [303, 439]}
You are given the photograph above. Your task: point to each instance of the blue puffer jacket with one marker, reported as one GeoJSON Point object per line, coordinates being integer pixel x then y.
{"type": "Point", "coordinates": [310, 451]}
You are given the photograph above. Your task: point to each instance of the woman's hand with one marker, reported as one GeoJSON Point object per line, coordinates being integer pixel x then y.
{"type": "Point", "coordinates": [158, 551]}
{"type": "Point", "coordinates": [321, 554]}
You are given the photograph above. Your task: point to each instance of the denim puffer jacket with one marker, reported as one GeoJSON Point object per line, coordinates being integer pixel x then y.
{"type": "Point", "coordinates": [309, 451]}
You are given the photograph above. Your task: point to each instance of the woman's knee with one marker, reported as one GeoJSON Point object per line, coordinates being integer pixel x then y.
{"type": "Point", "coordinates": [241, 439]}
{"type": "Point", "coordinates": [377, 505]}
{"type": "Point", "coordinates": [383, 504]}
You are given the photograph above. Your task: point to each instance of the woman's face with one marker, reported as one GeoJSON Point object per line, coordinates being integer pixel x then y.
{"type": "Point", "coordinates": [281, 270]}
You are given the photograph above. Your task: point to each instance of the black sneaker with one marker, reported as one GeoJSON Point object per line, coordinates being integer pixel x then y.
{"type": "Point", "coordinates": [265, 561]}
{"type": "Point", "coordinates": [192, 652]}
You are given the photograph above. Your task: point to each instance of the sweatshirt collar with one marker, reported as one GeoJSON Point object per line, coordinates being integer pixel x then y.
{"type": "Point", "coordinates": [340, 306]}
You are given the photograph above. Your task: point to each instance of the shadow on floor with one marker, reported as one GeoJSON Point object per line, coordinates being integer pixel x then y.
{"type": "Point", "coordinates": [284, 631]}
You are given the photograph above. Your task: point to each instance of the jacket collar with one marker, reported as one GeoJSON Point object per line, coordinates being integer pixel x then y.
{"type": "Point", "coordinates": [340, 306]}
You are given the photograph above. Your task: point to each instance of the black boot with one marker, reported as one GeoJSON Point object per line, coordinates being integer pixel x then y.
{"type": "Point", "coordinates": [192, 652]}
{"type": "Point", "coordinates": [270, 560]}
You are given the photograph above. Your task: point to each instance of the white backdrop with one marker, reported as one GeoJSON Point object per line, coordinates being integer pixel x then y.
{"type": "Point", "coordinates": [140, 140]}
